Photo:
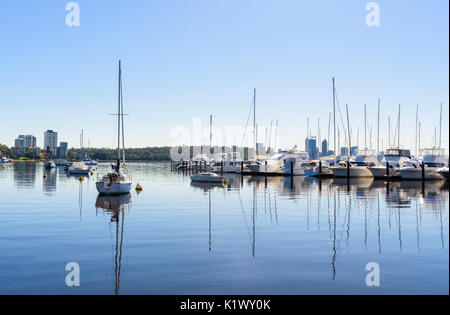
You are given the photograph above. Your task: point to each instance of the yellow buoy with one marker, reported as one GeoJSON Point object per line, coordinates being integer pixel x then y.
{"type": "Point", "coordinates": [81, 179]}
{"type": "Point", "coordinates": [139, 187]}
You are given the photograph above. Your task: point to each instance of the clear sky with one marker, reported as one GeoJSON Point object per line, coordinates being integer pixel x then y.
{"type": "Point", "coordinates": [189, 59]}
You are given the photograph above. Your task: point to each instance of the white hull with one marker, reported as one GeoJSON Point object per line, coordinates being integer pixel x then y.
{"type": "Point", "coordinates": [416, 173]}
{"type": "Point", "coordinates": [269, 168]}
{"type": "Point", "coordinates": [105, 188]}
{"type": "Point", "coordinates": [298, 171]}
{"type": "Point", "coordinates": [355, 171]}
{"type": "Point", "coordinates": [380, 172]}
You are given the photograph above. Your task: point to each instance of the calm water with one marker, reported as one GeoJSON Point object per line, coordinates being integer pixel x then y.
{"type": "Point", "coordinates": [252, 237]}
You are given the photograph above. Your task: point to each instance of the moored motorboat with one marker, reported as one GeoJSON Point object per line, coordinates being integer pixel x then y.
{"type": "Point", "coordinates": [78, 168]}
{"type": "Point", "coordinates": [208, 178]}
{"type": "Point", "coordinates": [433, 161]}
{"type": "Point", "coordinates": [357, 166]}
{"type": "Point", "coordinates": [394, 159]}
{"type": "Point", "coordinates": [50, 165]}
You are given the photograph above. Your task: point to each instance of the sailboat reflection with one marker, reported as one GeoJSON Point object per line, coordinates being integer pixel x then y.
{"type": "Point", "coordinates": [115, 205]}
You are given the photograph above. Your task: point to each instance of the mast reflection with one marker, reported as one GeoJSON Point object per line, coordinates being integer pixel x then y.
{"type": "Point", "coordinates": [115, 206]}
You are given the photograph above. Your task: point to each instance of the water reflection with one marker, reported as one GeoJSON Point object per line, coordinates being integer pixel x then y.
{"type": "Point", "coordinates": [115, 206]}
{"type": "Point", "coordinates": [49, 181]}
{"type": "Point", "coordinates": [24, 175]}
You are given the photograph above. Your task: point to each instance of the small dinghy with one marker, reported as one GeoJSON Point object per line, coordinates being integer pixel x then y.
{"type": "Point", "coordinates": [208, 178]}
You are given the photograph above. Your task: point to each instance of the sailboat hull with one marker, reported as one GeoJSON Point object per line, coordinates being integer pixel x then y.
{"type": "Point", "coordinates": [105, 188]}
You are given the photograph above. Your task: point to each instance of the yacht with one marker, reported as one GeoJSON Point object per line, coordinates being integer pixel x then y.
{"type": "Point", "coordinates": [359, 165]}
{"type": "Point", "coordinates": [61, 163]}
{"type": "Point", "coordinates": [275, 164]}
{"type": "Point", "coordinates": [393, 160]}
{"type": "Point", "coordinates": [434, 161]}
{"type": "Point", "coordinates": [117, 182]}
{"type": "Point", "coordinates": [232, 164]}
{"type": "Point", "coordinates": [300, 163]}
{"type": "Point", "coordinates": [318, 168]}
{"type": "Point", "coordinates": [78, 168]}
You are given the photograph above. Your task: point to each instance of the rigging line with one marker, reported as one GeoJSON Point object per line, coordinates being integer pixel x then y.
{"type": "Point", "coordinates": [248, 120]}
{"type": "Point", "coordinates": [342, 121]}
{"type": "Point", "coordinates": [245, 217]}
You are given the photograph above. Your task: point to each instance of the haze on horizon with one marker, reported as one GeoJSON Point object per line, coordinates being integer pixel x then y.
{"type": "Point", "coordinates": [187, 60]}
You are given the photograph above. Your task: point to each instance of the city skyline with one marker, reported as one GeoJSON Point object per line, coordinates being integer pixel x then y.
{"type": "Point", "coordinates": [190, 61]}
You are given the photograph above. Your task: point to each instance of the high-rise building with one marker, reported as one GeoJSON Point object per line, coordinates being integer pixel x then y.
{"type": "Point", "coordinates": [324, 147]}
{"type": "Point", "coordinates": [311, 148]}
{"type": "Point", "coordinates": [50, 140]}
{"type": "Point", "coordinates": [30, 141]}
{"type": "Point", "coordinates": [61, 151]}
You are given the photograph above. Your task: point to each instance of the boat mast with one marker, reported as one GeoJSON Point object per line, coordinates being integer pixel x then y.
{"type": "Point", "coordinates": [349, 135]}
{"type": "Point", "coordinates": [365, 127]}
{"type": "Point", "coordinates": [118, 111]}
{"type": "Point", "coordinates": [398, 136]}
{"type": "Point", "coordinates": [334, 117]}
{"type": "Point", "coordinates": [254, 120]}
{"type": "Point", "coordinates": [389, 132]}
{"type": "Point", "coordinates": [417, 122]}
{"type": "Point", "coordinates": [121, 115]}
{"type": "Point", "coordinates": [276, 136]}
{"type": "Point", "coordinates": [440, 129]}
{"type": "Point", "coordinates": [378, 128]}
{"type": "Point", "coordinates": [210, 132]}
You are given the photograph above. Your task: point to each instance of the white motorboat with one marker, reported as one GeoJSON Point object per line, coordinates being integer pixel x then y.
{"type": "Point", "coordinates": [444, 172]}
{"type": "Point", "coordinates": [300, 163]}
{"type": "Point", "coordinates": [394, 159]}
{"type": "Point", "coordinates": [318, 168]}
{"type": "Point", "coordinates": [117, 182]}
{"type": "Point", "coordinates": [208, 178]}
{"type": "Point", "coordinates": [433, 162]}
{"type": "Point", "coordinates": [232, 164]}
{"type": "Point", "coordinates": [359, 165]}
{"type": "Point", "coordinates": [79, 168]}
{"type": "Point", "coordinates": [275, 164]}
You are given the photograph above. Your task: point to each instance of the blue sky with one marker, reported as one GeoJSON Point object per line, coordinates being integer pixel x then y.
{"type": "Point", "coordinates": [189, 59]}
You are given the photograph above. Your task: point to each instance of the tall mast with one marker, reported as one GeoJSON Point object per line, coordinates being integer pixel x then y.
{"type": "Point", "coordinates": [440, 129]}
{"type": "Point", "coordinates": [398, 140]}
{"type": "Point", "coordinates": [365, 127]}
{"type": "Point", "coordinates": [389, 132]}
{"type": "Point", "coordinates": [254, 119]}
{"type": "Point", "coordinates": [420, 127]}
{"type": "Point", "coordinates": [276, 137]}
{"type": "Point", "coordinates": [378, 128]}
{"type": "Point", "coordinates": [417, 122]}
{"type": "Point", "coordinates": [118, 111]}
{"type": "Point", "coordinates": [349, 135]}
{"type": "Point", "coordinates": [210, 132]}
{"type": "Point", "coordinates": [121, 117]}
{"type": "Point", "coordinates": [334, 117]}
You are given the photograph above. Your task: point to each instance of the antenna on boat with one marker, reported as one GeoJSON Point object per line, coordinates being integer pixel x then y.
{"type": "Point", "coordinates": [210, 132]}
{"type": "Point", "coordinates": [121, 117]}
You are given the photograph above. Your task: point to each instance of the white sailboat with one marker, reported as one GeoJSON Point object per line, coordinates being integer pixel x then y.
{"type": "Point", "coordinates": [359, 165]}
{"type": "Point", "coordinates": [117, 182]}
